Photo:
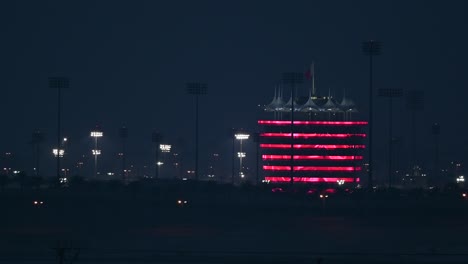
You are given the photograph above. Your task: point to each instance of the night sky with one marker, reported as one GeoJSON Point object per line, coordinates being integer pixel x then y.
{"type": "Point", "coordinates": [128, 62]}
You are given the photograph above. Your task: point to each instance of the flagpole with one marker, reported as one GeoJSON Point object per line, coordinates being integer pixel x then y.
{"type": "Point", "coordinates": [312, 66]}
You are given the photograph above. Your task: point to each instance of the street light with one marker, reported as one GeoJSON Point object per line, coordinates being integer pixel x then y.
{"type": "Point", "coordinates": [96, 152]}
{"type": "Point", "coordinates": [196, 89]}
{"type": "Point", "coordinates": [59, 83]}
{"type": "Point", "coordinates": [371, 48]}
{"type": "Point", "coordinates": [240, 154]}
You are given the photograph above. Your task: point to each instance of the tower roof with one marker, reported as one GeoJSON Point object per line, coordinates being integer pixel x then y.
{"type": "Point", "coordinates": [330, 106]}
{"type": "Point", "coordinates": [309, 106]}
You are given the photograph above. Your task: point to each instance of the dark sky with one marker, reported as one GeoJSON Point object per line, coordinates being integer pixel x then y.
{"type": "Point", "coordinates": [128, 62]}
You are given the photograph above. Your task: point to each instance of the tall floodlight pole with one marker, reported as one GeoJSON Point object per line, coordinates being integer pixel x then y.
{"type": "Point", "coordinates": [123, 133]}
{"type": "Point", "coordinates": [97, 133]}
{"type": "Point", "coordinates": [59, 83]}
{"type": "Point", "coordinates": [156, 139]}
{"type": "Point", "coordinates": [371, 48]}
{"type": "Point", "coordinates": [256, 139]}
{"type": "Point", "coordinates": [196, 89]}
{"type": "Point", "coordinates": [292, 78]}
{"type": "Point", "coordinates": [415, 103]}
{"type": "Point", "coordinates": [390, 94]}
{"type": "Point", "coordinates": [241, 136]}
{"type": "Point", "coordinates": [233, 133]}
{"type": "Point", "coordinates": [436, 133]}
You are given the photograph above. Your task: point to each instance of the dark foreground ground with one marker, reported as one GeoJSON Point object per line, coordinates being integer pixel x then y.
{"type": "Point", "coordinates": [119, 225]}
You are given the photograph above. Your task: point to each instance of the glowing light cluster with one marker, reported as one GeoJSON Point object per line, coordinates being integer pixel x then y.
{"type": "Point", "coordinates": [310, 179]}
{"type": "Point", "coordinates": [310, 157]}
{"type": "Point", "coordinates": [58, 152]}
{"type": "Point", "coordinates": [311, 168]}
{"type": "Point", "coordinates": [333, 123]}
{"type": "Point", "coordinates": [320, 146]}
{"type": "Point", "coordinates": [96, 134]}
{"type": "Point", "coordinates": [165, 148]}
{"type": "Point", "coordinates": [241, 136]}
{"type": "Point", "coordinates": [309, 135]}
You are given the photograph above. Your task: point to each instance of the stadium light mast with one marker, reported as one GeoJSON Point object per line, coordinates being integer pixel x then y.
{"type": "Point", "coordinates": [97, 133]}
{"type": "Point", "coordinates": [436, 133]}
{"type": "Point", "coordinates": [256, 139]}
{"type": "Point", "coordinates": [292, 78]}
{"type": "Point", "coordinates": [196, 89]}
{"type": "Point", "coordinates": [390, 94]}
{"type": "Point", "coordinates": [233, 132]}
{"type": "Point", "coordinates": [414, 103]}
{"type": "Point", "coordinates": [59, 83]}
{"type": "Point", "coordinates": [371, 48]}
{"type": "Point", "coordinates": [241, 136]}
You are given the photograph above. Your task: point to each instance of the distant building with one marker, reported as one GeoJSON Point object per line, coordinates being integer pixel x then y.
{"type": "Point", "coordinates": [327, 144]}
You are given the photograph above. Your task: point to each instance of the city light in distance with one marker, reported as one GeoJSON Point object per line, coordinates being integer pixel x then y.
{"type": "Point", "coordinates": [241, 154]}
{"type": "Point", "coordinates": [96, 152]}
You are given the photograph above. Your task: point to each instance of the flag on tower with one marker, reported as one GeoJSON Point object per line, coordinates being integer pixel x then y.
{"type": "Point", "coordinates": [309, 73]}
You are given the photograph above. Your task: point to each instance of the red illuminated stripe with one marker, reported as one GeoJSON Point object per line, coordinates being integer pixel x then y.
{"type": "Point", "coordinates": [311, 168]}
{"type": "Point", "coordinates": [300, 146]}
{"type": "Point", "coordinates": [308, 135]}
{"type": "Point", "coordinates": [309, 179]}
{"type": "Point", "coordinates": [313, 157]}
{"type": "Point", "coordinates": [334, 123]}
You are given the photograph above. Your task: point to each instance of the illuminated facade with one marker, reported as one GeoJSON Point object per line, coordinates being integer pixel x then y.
{"type": "Point", "coordinates": [326, 146]}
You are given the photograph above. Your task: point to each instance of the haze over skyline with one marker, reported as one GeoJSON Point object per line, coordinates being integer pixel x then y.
{"type": "Point", "coordinates": [129, 62]}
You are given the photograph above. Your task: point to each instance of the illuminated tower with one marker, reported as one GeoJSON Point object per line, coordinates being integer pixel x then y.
{"type": "Point", "coordinates": [327, 143]}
